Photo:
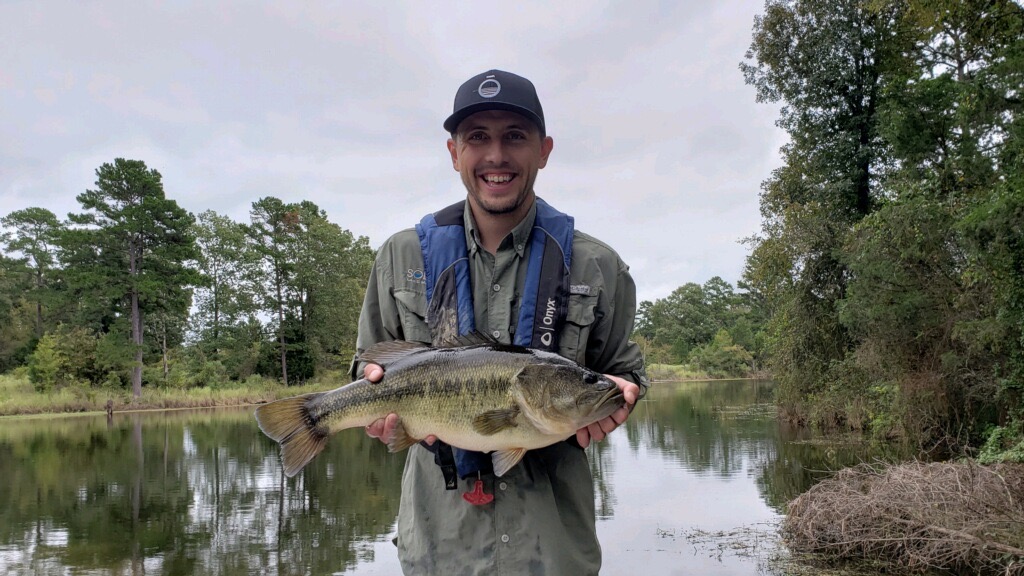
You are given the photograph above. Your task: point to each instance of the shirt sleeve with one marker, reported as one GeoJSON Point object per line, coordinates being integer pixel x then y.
{"type": "Point", "coordinates": [610, 349]}
{"type": "Point", "coordinates": [379, 319]}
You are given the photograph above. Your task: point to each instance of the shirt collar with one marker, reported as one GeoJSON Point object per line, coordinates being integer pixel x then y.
{"type": "Point", "coordinates": [520, 234]}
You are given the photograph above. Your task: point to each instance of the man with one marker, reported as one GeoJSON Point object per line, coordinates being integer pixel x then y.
{"type": "Point", "coordinates": [505, 264]}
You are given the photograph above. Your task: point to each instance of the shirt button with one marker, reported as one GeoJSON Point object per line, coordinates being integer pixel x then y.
{"type": "Point", "coordinates": [496, 334]}
{"type": "Point", "coordinates": [497, 287]}
{"type": "Point", "coordinates": [504, 538]}
{"type": "Point", "coordinates": [502, 486]}
{"type": "Point", "coordinates": [519, 247]}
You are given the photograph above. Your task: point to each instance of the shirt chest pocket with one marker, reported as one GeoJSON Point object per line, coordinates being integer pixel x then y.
{"type": "Point", "coordinates": [412, 312]}
{"type": "Point", "coordinates": [579, 320]}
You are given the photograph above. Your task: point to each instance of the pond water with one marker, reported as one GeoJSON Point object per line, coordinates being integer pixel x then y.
{"type": "Point", "coordinates": [693, 484]}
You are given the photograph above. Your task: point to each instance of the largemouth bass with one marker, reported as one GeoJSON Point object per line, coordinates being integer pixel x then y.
{"type": "Point", "coordinates": [485, 397]}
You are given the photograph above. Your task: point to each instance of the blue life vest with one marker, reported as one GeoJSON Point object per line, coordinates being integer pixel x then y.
{"type": "Point", "coordinates": [542, 309]}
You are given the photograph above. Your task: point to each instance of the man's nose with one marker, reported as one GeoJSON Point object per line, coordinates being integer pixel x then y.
{"type": "Point", "coordinates": [495, 152]}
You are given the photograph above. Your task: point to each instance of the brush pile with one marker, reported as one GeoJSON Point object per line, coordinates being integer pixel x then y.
{"type": "Point", "coordinates": [960, 517]}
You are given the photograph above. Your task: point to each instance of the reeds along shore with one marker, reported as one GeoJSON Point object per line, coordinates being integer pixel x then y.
{"type": "Point", "coordinates": [960, 517]}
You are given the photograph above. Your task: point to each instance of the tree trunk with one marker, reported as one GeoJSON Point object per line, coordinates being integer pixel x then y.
{"type": "Point", "coordinates": [136, 320]}
{"type": "Point", "coordinates": [39, 304]}
{"type": "Point", "coordinates": [280, 331]}
{"type": "Point", "coordinates": [163, 346]}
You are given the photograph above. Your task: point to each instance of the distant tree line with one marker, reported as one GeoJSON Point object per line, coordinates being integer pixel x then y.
{"type": "Point", "coordinates": [891, 256]}
{"type": "Point", "coordinates": [710, 327]}
{"type": "Point", "coordinates": [135, 290]}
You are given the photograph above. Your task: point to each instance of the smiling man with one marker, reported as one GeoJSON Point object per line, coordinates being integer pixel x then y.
{"type": "Point", "coordinates": [506, 264]}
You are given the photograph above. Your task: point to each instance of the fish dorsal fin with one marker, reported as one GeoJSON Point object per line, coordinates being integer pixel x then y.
{"type": "Point", "coordinates": [493, 421]}
{"type": "Point", "coordinates": [471, 339]}
{"type": "Point", "coordinates": [388, 352]}
{"type": "Point", "coordinates": [479, 339]}
{"type": "Point", "coordinates": [504, 460]}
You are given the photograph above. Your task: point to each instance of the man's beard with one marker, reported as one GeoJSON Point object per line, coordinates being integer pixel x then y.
{"type": "Point", "coordinates": [507, 207]}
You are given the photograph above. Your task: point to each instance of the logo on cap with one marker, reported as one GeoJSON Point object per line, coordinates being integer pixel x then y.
{"type": "Point", "coordinates": [489, 88]}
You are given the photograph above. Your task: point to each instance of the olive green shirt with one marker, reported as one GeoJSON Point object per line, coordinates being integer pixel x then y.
{"type": "Point", "coordinates": [542, 518]}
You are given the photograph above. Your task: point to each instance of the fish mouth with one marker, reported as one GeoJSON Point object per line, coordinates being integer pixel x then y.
{"type": "Point", "coordinates": [610, 401]}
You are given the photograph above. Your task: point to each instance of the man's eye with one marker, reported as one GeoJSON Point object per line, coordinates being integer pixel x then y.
{"type": "Point", "coordinates": [515, 136]}
{"type": "Point", "coordinates": [476, 136]}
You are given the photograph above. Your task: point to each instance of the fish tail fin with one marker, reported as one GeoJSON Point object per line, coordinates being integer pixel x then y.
{"type": "Point", "coordinates": [290, 423]}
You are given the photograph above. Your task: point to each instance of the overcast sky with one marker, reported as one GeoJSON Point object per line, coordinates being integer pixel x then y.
{"type": "Point", "coordinates": [660, 147]}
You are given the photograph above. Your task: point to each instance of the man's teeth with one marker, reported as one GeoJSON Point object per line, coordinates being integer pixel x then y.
{"type": "Point", "coordinates": [498, 178]}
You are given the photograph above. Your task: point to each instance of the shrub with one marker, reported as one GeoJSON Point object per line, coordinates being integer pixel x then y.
{"type": "Point", "coordinates": [46, 364]}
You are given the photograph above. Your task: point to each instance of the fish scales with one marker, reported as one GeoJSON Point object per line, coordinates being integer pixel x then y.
{"type": "Point", "coordinates": [485, 397]}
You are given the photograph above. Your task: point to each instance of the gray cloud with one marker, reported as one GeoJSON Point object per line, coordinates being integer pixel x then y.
{"type": "Point", "coordinates": [659, 146]}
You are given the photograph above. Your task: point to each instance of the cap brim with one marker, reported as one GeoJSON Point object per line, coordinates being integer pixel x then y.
{"type": "Point", "coordinates": [455, 119]}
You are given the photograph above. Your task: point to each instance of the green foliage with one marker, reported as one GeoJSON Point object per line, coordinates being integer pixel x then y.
{"type": "Point", "coordinates": [130, 248]}
{"type": "Point", "coordinates": [890, 256]}
{"type": "Point", "coordinates": [671, 328]}
{"type": "Point", "coordinates": [722, 358]}
{"type": "Point", "coordinates": [1004, 444]}
{"type": "Point", "coordinates": [46, 364]}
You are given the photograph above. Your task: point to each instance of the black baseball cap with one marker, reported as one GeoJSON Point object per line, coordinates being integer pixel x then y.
{"type": "Point", "coordinates": [496, 90]}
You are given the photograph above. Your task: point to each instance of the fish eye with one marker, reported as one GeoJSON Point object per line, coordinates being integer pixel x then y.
{"type": "Point", "coordinates": [590, 378]}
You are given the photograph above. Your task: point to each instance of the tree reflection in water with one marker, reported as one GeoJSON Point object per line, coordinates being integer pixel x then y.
{"type": "Point", "coordinates": [202, 492]}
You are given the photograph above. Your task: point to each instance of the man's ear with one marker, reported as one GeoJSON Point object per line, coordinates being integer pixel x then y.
{"type": "Point", "coordinates": [455, 154]}
{"type": "Point", "coordinates": [546, 146]}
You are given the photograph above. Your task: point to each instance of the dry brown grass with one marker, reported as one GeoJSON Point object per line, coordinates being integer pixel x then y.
{"type": "Point", "coordinates": [916, 517]}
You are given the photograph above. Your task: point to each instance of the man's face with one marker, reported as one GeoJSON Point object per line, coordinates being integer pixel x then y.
{"type": "Point", "coordinates": [498, 154]}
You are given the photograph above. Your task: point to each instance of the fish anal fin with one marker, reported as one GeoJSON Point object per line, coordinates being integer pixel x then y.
{"type": "Point", "coordinates": [493, 421]}
{"type": "Point", "coordinates": [505, 460]}
{"type": "Point", "coordinates": [400, 438]}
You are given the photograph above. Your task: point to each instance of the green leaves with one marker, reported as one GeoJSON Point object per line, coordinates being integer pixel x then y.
{"type": "Point", "coordinates": [891, 238]}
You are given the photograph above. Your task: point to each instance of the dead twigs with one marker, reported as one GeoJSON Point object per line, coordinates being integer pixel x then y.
{"type": "Point", "coordinates": [915, 516]}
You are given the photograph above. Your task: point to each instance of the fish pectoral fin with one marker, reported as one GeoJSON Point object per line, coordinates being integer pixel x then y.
{"type": "Point", "coordinates": [493, 421]}
{"type": "Point", "coordinates": [400, 438]}
{"type": "Point", "coordinates": [504, 460]}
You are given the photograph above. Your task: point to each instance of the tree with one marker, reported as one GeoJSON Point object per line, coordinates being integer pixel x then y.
{"type": "Point", "coordinates": [34, 233]}
{"type": "Point", "coordinates": [310, 280]}
{"type": "Point", "coordinates": [272, 237]}
{"type": "Point", "coordinates": [888, 260]}
{"type": "Point", "coordinates": [131, 248]}
{"type": "Point", "coordinates": [689, 317]}
{"type": "Point", "coordinates": [825, 61]}
{"type": "Point", "coordinates": [225, 303]}
{"type": "Point", "coordinates": [331, 276]}
{"type": "Point", "coordinates": [16, 325]}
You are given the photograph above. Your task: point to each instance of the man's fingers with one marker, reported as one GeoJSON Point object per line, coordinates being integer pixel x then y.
{"type": "Point", "coordinates": [373, 372]}
{"type": "Point", "coordinates": [620, 415]}
{"type": "Point", "coordinates": [389, 426]}
{"type": "Point", "coordinates": [583, 437]}
{"type": "Point", "coordinates": [630, 393]}
{"type": "Point", "coordinates": [596, 433]}
{"type": "Point", "coordinates": [375, 429]}
{"type": "Point", "coordinates": [382, 428]}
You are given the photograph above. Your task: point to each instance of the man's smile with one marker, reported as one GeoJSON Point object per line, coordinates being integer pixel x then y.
{"type": "Point", "coordinates": [498, 178]}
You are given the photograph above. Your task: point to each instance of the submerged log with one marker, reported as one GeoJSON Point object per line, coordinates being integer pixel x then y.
{"type": "Point", "coordinates": [945, 516]}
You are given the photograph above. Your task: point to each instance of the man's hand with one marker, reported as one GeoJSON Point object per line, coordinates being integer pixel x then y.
{"type": "Point", "coordinates": [382, 428]}
{"type": "Point", "coordinates": [598, 430]}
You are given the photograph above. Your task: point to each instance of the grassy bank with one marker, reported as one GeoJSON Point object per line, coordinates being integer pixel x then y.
{"type": "Point", "coordinates": [683, 373]}
{"type": "Point", "coordinates": [19, 397]}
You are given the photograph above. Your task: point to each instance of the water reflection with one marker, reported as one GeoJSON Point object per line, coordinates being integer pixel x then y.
{"type": "Point", "coordinates": [202, 492]}
{"type": "Point", "coordinates": [184, 493]}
